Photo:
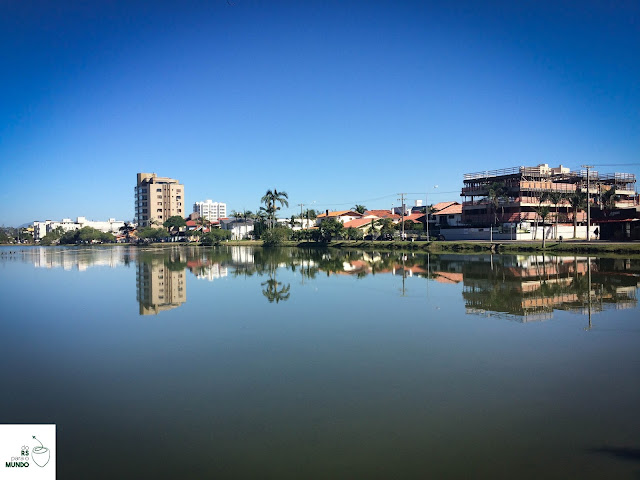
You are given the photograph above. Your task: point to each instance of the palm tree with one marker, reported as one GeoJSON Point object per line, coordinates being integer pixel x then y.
{"type": "Point", "coordinates": [556, 198]}
{"type": "Point", "coordinates": [270, 199]}
{"type": "Point", "coordinates": [497, 191]}
{"type": "Point", "coordinates": [127, 229]}
{"type": "Point", "coordinates": [609, 199]}
{"type": "Point", "coordinates": [578, 201]}
{"type": "Point", "coordinates": [360, 208]}
{"type": "Point", "coordinates": [543, 211]}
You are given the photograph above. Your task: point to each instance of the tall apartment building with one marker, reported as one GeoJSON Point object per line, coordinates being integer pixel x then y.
{"type": "Point", "coordinates": [210, 210]}
{"type": "Point", "coordinates": [157, 199]}
{"type": "Point", "coordinates": [524, 189]}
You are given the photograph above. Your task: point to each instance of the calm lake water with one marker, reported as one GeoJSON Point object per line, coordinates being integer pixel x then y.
{"type": "Point", "coordinates": [247, 363]}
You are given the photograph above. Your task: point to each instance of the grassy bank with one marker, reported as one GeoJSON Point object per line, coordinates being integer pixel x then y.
{"type": "Point", "coordinates": [629, 248]}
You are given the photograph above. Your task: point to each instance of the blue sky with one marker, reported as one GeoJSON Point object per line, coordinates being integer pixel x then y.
{"type": "Point", "coordinates": [335, 102]}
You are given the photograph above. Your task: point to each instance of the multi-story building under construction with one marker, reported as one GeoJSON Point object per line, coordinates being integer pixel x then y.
{"type": "Point", "coordinates": [522, 188]}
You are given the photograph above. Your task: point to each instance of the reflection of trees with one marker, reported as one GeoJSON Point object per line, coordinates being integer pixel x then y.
{"type": "Point", "coordinates": [274, 292]}
{"type": "Point", "coordinates": [525, 287]}
{"type": "Point", "coordinates": [532, 288]}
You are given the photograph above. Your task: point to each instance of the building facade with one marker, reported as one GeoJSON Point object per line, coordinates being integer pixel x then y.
{"type": "Point", "coordinates": [41, 229]}
{"type": "Point", "coordinates": [210, 210]}
{"type": "Point", "coordinates": [522, 190]}
{"type": "Point", "coordinates": [157, 199]}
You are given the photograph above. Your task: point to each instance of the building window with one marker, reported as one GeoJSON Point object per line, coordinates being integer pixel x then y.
{"type": "Point", "coordinates": [160, 203]}
{"type": "Point", "coordinates": [158, 189]}
{"type": "Point", "coordinates": [159, 196]}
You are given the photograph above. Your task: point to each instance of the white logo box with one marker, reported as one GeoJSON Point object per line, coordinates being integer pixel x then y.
{"type": "Point", "coordinates": [23, 457]}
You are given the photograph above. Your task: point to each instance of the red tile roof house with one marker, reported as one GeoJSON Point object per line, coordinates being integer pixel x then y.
{"type": "Point", "coordinates": [342, 216]}
{"type": "Point", "coordinates": [382, 214]}
{"type": "Point", "coordinates": [450, 216]}
{"type": "Point", "coordinates": [363, 224]}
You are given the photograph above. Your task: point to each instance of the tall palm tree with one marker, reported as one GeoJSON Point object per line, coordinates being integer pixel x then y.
{"type": "Point", "coordinates": [578, 201]}
{"type": "Point", "coordinates": [556, 198]}
{"type": "Point", "coordinates": [270, 199]}
{"type": "Point", "coordinates": [497, 192]}
{"type": "Point", "coordinates": [543, 212]}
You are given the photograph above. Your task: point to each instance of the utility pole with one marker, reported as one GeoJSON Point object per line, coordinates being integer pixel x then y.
{"type": "Point", "coordinates": [588, 202]}
{"type": "Point", "coordinates": [426, 210]}
{"type": "Point", "coordinates": [402, 207]}
{"type": "Point", "coordinates": [301, 205]}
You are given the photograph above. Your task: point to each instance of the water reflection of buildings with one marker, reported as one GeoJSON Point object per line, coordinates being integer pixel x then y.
{"type": "Point", "coordinates": [78, 258]}
{"type": "Point", "coordinates": [531, 288]}
{"type": "Point", "coordinates": [207, 271]}
{"type": "Point", "coordinates": [161, 286]}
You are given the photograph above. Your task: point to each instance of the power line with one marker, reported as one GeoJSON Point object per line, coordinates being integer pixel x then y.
{"type": "Point", "coordinates": [353, 202]}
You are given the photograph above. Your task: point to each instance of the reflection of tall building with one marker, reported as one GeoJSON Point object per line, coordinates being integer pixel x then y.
{"type": "Point", "coordinates": [160, 288]}
{"type": "Point", "coordinates": [242, 255]}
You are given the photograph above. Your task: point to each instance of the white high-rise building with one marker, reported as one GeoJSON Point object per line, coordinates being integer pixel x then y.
{"type": "Point", "coordinates": [210, 210]}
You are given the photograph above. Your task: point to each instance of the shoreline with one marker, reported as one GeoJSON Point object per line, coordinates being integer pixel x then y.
{"type": "Point", "coordinates": [480, 246]}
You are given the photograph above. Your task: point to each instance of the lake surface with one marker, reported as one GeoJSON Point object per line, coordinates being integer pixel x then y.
{"type": "Point", "coordinates": [235, 362]}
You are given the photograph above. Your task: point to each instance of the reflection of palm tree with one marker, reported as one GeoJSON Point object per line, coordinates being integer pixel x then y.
{"type": "Point", "coordinates": [272, 292]}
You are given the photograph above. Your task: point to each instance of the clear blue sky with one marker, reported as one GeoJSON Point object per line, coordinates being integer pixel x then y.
{"type": "Point", "coordinates": [336, 102]}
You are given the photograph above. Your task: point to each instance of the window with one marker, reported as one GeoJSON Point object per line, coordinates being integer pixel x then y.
{"type": "Point", "coordinates": [179, 210]}
{"type": "Point", "coordinates": [178, 197]}
{"type": "Point", "coordinates": [158, 189]}
{"type": "Point", "coordinates": [159, 196]}
{"type": "Point", "coordinates": [160, 203]}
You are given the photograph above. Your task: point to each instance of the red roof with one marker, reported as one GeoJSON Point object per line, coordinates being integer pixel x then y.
{"type": "Point", "coordinates": [442, 205]}
{"type": "Point", "coordinates": [358, 222]}
{"type": "Point", "coordinates": [340, 213]}
{"type": "Point", "coordinates": [450, 210]}
{"type": "Point", "coordinates": [414, 217]}
{"type": "Point", "coordinates": [382, 214]}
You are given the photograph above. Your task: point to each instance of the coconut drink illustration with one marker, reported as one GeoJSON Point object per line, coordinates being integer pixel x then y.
{"type": "Point", "coordinates": [40, 455]}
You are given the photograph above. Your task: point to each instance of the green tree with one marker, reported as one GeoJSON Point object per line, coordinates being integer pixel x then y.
{"type": "Point", "coordinates": [275, 236]}
{"type": "Point", "coordinates": [354, 233]}
{"type": "Point", "coordinates": [215, 237]}
{"type": "Point", "coordinates": [331, 228]}
{"type": "Point", "coordinates": [386, 226]}
{"type": "Point", "coordinates": [176, 221]}
{"type": "Point", "coordinates": [578, 201]}
{"type": "Point", "coordinates": [152, 234]}
{"type": "Point", "coordinates": [270, 199]}
{"type": "Point", "coordinates": [609, 198]}
{"type": "Point", "coordinates": [53, 237]}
